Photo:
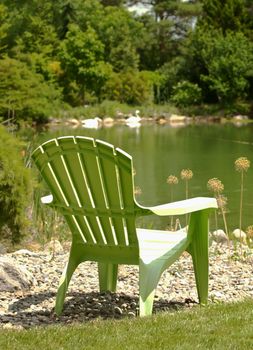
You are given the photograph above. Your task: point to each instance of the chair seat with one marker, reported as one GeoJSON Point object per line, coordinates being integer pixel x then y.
{"type": "Point", "coordinates": [162, 245]}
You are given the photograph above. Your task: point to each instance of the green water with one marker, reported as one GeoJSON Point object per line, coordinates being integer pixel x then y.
{"type": "Point", "coordinates": [158, 151]}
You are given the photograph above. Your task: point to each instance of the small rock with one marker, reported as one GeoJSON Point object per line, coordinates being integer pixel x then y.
{"type": "Point", "coordinates": [239, 235]}
{"type": "Point", "coordinates": [108, 122]}
{"type": "Point", "coordinates": [219, 236]}
{"type": "Point", "coordinates": [54, 246]}
{"type": "Point", "coordinates": [118, 310]}
{"type": "Point", "coordinates": [25, 252]}
{"type": "Point", "coordinates": [13, 276]}
{"type": "Point", "coordinates": [3, 250]}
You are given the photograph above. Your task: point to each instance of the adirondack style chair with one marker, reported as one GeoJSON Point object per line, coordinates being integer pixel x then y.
{"type": "Point", "coordinates": [91, 184]}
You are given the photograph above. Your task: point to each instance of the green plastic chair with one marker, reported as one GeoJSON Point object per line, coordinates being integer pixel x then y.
{"type": "Point", "coordinates": [91, 184]}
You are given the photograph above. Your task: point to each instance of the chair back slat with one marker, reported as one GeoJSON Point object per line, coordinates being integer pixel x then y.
{"type": "Point", "coordinates": [82, 194]}
{"type": "Point", "coordinates": [92, 186]}
{"type": "Point", "coordinates": [109, 173]}
{"type": "Point", "coordinates": [125, 167]}
{"type": "Point", "coordinates": [90, 163]}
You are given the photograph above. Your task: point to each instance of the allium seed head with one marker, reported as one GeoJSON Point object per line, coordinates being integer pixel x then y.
{"type": "Point", "coordinates": [186, 174]}
{"type": "Point", "coordinates": [172, 180]}
{"type": "Point", "coordinates": [215, 185]}
{"type": "Point", "coordinates": [242, 164]}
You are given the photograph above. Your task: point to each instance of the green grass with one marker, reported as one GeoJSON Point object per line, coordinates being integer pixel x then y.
{"type": "Point", "coordinates": [224, 326]}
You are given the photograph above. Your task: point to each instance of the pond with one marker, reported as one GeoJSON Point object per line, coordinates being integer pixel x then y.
{"type": "Point", "coordinates": [161, 150]}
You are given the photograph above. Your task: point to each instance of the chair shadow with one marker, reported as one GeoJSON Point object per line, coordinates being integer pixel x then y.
{"type": "Point", "coordinates": [81, 307]}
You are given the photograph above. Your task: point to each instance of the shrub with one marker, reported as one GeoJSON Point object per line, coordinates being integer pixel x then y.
{"type": "Point", "coordinates": [16, 185]}
{"type": "Point", "coordinates": [186, 94]}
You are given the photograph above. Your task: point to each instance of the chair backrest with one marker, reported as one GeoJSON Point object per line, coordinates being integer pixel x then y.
{"type": "Point", "coordinates": [92, 185]}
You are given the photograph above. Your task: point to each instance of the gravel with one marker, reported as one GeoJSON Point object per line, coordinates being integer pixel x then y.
{"type": "Point", "coordinates": [230, 279]}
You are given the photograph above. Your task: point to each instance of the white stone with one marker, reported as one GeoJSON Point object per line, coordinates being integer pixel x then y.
{"type": "Point", "coordinates": [240, 235]}
{"type": "Point", "coordinates": [219, 236]}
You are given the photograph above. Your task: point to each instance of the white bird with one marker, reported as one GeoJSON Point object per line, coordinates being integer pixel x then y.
{"type": "Point", "coordinates": [133, 121]}
{"type": "Point", "coordinates": [94, 123]}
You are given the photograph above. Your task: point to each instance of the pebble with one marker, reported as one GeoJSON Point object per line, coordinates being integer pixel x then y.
{"type": "Point", "coordinates": [231, 279]}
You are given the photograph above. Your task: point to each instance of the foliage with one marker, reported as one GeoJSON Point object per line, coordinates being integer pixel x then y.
{"type": "Point", "coordinates": [82, 61]}
{"type": "Point", "coordinates": [121, 35]}
{"type": "Point", "coordinates": [228, 61]}
{"type": "Point", "coordinates": [218, 326]}
{"type": "Point", "coordinates": [186, 94]}
{"type": "Point", "coordinates": [25, 94]}
{"type": "Point", "coordinates": [227, 15]}
{"type": "Point", "coordinates": [77, 52]}
{"type": "Point", "coordinates": [130, 87]}
{"type": "Point", "coordinates": [4, 26]}
{"type": "Point", "coordinates": [16, 184]}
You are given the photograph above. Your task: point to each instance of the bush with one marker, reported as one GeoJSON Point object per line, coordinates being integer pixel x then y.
{"type": "Point", "coordinates": [16, 185]}
{"type": "Point", "coordinates": [131, 87]}
{"type": "Point", "coordinates": [186, 94]}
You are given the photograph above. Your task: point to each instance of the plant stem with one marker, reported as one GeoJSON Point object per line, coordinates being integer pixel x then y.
{"type": "Point", "coordinates": [240, 217]}
{"type": "Point", "coordinates": [186, 196]}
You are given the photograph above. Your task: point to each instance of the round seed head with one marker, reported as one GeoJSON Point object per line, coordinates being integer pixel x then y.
{"type": "Point", "coordinates": [249, 231]}
{"type": "Point", "coordinates": [242, 164]}
{"type": "Point", "coordinates": [186, 174]}
{"type": "Point", "coordinates": [172, 180]}
{"type": "Point", "coordinates": [215, 185]}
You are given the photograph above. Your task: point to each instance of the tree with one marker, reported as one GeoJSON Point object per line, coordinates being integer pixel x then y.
{"type": "Point", "coordinates": [122, 36]}
{"type": "Point", "coordinates": [82, 61]}
{"type": "Point", "coordinates": [166, 28]}
{"type": "Point", "coordinates": [227, 15]}
{"type": "Point", "coordinates": [226, 63]}
{"type": "Point", "coordinates": [24, 94]}
{"type": "Point", "coordinates": [4, 26]}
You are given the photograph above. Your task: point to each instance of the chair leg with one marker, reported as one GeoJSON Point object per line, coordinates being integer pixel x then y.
{"type": "Point", "coordinates": [199, 252]}
{"type": "Point", "coordinates": [149, 275]}
{"type": "Point", "coordinates": [108, 274]}
{"type": "Point", "coordinates": [64, 282]}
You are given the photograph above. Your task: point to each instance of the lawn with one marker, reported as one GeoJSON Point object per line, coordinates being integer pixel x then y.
{"type": "Point", "coordinates": [222, 326]}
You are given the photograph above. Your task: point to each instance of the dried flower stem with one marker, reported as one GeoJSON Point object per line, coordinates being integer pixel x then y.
{"type": "Point", "coordinates": [217, 187]}
{"type": "Point", "coordinates": [240, 217]}
{"type": "Point", "coordinates": [242, 164]}
{"type": "Point", "coordinates": [172, 180]}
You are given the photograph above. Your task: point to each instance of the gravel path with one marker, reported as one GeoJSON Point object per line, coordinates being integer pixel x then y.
{"type": "Point", "coordinates": [230, 279]}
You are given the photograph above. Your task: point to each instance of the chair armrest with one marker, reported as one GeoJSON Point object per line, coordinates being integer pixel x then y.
{"type": "Point", "coordinates": [184, 207]}
{"type": "Point", "coordinates": [47, 199]}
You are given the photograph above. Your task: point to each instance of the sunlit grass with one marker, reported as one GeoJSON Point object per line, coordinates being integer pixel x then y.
{"type": "Point", "coordinates": [224, 326]}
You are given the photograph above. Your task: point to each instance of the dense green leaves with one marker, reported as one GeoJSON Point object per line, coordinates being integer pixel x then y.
{"type": "Point", "coordinates": [15, 188]}
{"type": "Point", "coordinates": [25, 94]}
{"type": "Point", "coordinates": [228, 60]}
{"type": "Point", "coordinates": [83, 51]}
